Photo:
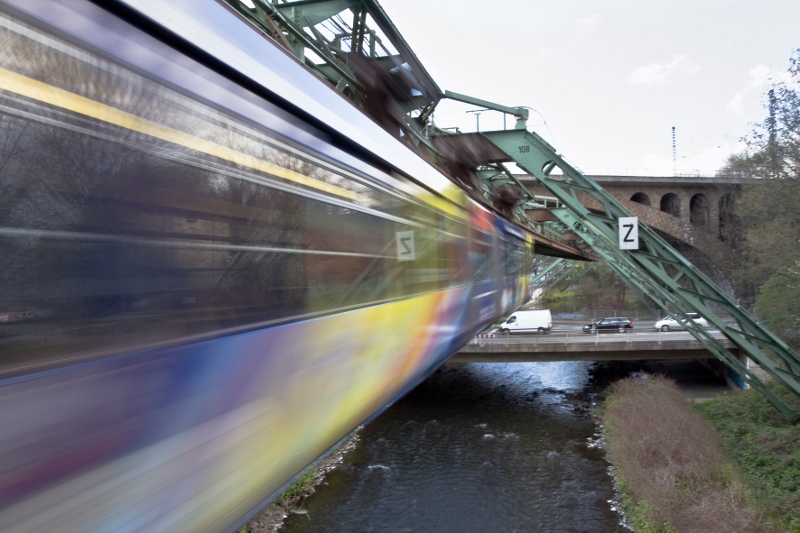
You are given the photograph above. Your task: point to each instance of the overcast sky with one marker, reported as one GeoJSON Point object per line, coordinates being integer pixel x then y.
{"type": "Point", "coordinates": [610, 78]}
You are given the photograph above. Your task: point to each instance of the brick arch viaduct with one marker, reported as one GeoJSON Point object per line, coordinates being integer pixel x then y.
{"type": "Point", "coordinates": [689, 212]}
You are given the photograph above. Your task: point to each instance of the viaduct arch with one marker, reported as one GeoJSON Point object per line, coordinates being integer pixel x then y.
{"type": "Point", "coordinates": [691, 213]}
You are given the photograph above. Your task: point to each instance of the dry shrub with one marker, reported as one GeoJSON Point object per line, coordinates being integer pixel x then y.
{"type": "Point", "coordinates": [669, 463]}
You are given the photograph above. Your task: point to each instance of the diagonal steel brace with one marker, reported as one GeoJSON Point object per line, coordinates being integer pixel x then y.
{"type": "Point", "coordinates": [652, 270]}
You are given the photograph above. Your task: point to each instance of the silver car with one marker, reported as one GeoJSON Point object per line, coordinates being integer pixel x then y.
{"type": "Point", "coordinates": [669, 323]}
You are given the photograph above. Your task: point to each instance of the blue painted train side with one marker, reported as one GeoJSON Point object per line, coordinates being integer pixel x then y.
{"type": "Point", "coordinates": [208, 289]}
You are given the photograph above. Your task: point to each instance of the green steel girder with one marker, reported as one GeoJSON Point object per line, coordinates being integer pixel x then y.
{"type": "Point", "coordinates": [296, 26]}
{"type": "Point", "coordinates": [486, 176]}
{"type": "Point", "coordinates": [293, 20]}
{"type": "Point", "coordinates": [566, 271]}
{"type": "Point", "coordinates": [553, 265]}
{"type": "Point", "coordinates": [520, 113]}
{"type": "Point", "coordinates": [540, 260]}
{"type": "Point", "coordinates": [496, 174]}
{"type": "Point", "coordinates": [656, 270]}
{"type": "Point", "coordinates": [315, 11]}
{"type": "Point", "coordinates": [554, 275]}
{"type": "Point", "coordinates": [541, 202]}
{"type": "Point", "coordinates": [576, 280]}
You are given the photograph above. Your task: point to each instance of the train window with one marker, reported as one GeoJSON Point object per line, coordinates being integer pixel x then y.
{"type": "Point", "coordinates": [132, 214]}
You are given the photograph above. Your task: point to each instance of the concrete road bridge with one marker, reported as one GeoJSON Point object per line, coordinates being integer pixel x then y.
{"type": "Point", "coordinates": [586, 347]}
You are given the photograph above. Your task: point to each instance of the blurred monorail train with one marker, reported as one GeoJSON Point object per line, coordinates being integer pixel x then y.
{"type": "Point", "coordinates": [212, 267]}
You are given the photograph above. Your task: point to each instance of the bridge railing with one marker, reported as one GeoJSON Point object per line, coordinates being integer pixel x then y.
{"type": "Point", "coordinates": [594, 315]}
{"type": "Point", "coordinates": [642, 332]}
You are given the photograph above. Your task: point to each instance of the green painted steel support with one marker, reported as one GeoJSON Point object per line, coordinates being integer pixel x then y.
{"type": "Point", "coordinates": [576, 280]}
{"type": "Point", "coordinates": [292, 18]}
{"type": "Point", "coordinates": [566, 271]}
{"type": "Point", "coordinates": [555, 273]}
{"type": "Point", "coordinates": [322, 27]}
{"type": "Point", "coordinates": [538, 261]}
{"type": "Point", "coordinates": [520, 113]}
{"type": "Point", "coordinates": [550, 267]}
{"type": "Point", "coordinates": [656, 269]}
{"type": "Point", "coordinates": [541, 264]}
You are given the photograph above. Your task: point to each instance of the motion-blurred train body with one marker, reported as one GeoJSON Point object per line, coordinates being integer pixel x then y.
{"type": "Point", "coordinates": [215, 267]}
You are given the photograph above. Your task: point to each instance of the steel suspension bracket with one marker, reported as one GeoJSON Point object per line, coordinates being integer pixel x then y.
{"type": "Point", "coordinates": [656, 270]}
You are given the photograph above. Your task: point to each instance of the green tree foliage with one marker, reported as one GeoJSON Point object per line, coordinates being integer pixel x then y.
{"type": "Point", "coordinates": [603, 289]}
{"type": "Point", "coordinates": [779, 304]}
{"type": "Point", "coordinates": [768, 210]}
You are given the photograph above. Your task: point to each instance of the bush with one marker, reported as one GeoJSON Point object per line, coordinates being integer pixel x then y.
{"type": "Point", "coordinates": [555, 296]}
{"type": "Point", "coordinates": [765, 444]}
{"type": "Point", "coordinates": [669, 463]}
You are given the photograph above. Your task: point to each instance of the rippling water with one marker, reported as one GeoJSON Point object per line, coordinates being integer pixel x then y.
{"type": "Point", "coordinates": [481, 447]}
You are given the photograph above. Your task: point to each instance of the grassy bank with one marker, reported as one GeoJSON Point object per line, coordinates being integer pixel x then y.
{"type": "Point", "coordinates": [670, 466]}
{"type": "Point", "coordinates": [766, 446]}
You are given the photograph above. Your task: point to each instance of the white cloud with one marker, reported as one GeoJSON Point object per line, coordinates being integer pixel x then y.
{"type": "Point", "coordinates": [545, 52]}
{"type": "Point", "coordinates": [577, 30]}
{"type": "Point", "coordinates": [656, 73]}
{"type": "Point", "coordinates": [760, 77]}
{"type": "Point", "coordinates": [580, 28]}
{"type": "Point", "coordinates": [584, 25]}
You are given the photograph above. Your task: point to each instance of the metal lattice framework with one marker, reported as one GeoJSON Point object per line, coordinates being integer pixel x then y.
{"type": "Point", "coordinates": [568, 269]}
{"type": "Point", "coordinates": [656, 270]}
{"type": "Point", "coordinates": [354, 46]}
{"type": "Point", "coordinates": [543, 267]}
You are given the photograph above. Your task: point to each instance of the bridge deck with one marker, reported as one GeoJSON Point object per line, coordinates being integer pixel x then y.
{"type": "Point", "coordinates": [585, 347]}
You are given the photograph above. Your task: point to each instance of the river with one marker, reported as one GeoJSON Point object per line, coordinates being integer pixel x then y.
{"type": "Point", "coordinates": [478, 447]}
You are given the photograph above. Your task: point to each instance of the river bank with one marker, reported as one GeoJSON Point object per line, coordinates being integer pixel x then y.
{"type": "Point", "coordinates": [291, 502]}
{"type": "Point", "coordinates": [669, 465]}
{"type": "Point", "coordinates": [727, 465]}
{"type": "Point", "coordinates": [764, 444]}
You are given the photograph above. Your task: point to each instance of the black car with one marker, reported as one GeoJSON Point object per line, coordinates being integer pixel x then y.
{"type": "Point", "coordinates": [610, 324]}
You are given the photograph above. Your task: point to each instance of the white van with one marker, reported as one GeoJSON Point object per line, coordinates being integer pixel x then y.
{"type": "Point", "coordinates": [538, 320]}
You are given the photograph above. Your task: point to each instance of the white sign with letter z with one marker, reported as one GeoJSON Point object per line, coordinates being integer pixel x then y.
{"type": "Point", "coordinates": [628, 233]}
